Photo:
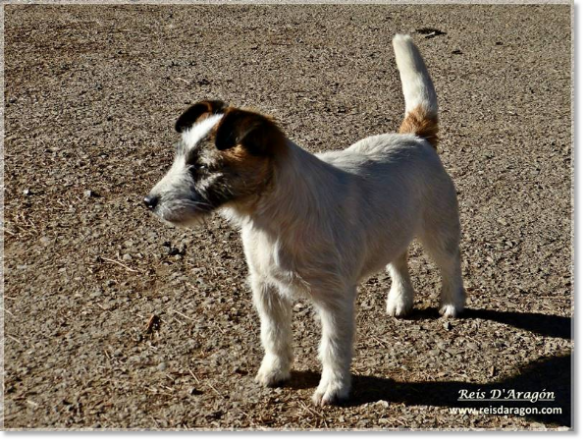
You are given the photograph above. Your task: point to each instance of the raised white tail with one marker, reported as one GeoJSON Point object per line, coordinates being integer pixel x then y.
{"type": "Point", "coordinates": [421, 108]}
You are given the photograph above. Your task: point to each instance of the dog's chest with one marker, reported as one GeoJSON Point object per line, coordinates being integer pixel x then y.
{"type": "Point", "coordinates": [278, 261]}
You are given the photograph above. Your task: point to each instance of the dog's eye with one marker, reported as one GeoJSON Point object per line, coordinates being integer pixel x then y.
{"type": "Point", "coordinates": [202, 167]}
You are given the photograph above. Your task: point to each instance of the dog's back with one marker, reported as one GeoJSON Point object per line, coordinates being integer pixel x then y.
{"type": "Point", "coordinates": [399, 177]}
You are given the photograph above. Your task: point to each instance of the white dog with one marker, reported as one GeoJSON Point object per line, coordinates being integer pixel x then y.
{"type": "Point", "coordinates": [313, 226]}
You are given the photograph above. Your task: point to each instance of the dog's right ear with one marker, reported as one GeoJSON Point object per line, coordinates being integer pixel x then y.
{"type": "Point", "coordinates": [196, 111]}
{"type": "Point", "coordinates": [258, 134]}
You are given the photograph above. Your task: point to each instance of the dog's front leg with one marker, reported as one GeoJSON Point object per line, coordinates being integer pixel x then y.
{"type": "Point", "coordinates": [275, 323]}
{"type": "Point", "coordinates": [336, 350]}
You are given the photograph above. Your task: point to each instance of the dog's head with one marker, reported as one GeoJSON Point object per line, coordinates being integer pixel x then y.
{"type": "Point", "coordinates": [225, 156]}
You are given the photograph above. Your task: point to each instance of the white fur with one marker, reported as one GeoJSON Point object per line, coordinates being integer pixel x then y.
{"type": "Point", "coordinates": [332, 219]}
{"type": "Point", "coordinates": [175, 189]}
{"type": "Point", "coordinates": [417, 86]}
{"type": "Point", "coordinates": [200, 130]}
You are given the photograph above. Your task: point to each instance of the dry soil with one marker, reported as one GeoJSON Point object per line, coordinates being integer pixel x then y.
{"type": "Point", "coordinates": [91, 96]}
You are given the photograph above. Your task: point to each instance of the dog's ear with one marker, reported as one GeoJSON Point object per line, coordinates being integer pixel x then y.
{"type": "Point", "coordinates": [259, 135]}
{"type": "Point", "coordinates": [196, 111]}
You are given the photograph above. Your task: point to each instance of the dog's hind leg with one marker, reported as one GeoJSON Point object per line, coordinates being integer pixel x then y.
{"type": "Point", "coordinates": [275, 329]}
{"type": "Point", "coordinates": [442, 244]}
{"type": "Point", "coordinates": [400, 298]}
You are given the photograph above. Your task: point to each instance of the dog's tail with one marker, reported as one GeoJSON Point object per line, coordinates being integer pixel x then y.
{"type": "Point", "coordinates": [419, 93]}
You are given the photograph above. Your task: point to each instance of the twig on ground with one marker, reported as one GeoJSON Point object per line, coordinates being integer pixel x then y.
{"type": "Point", "coordinates": [121, 264]}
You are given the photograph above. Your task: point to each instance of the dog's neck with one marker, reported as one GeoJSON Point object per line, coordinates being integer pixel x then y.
{"type": "Point", "coordinates": [301, 194]}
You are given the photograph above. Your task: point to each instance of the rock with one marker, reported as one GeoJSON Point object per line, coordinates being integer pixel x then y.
{"type": "Point", "coordinates": [194, 391]}
{"type": "Point", "coordinates": [90, 194]}
{"type": "Point", "coordinates": [472, 346]}
{"type": "Point", "coordinates": [215, 415]}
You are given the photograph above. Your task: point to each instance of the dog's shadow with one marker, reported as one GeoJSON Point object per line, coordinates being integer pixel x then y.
{"type": "Point", "coordinates": [549, 374]}
{"type": "Point", "coordinates": [551, 326]}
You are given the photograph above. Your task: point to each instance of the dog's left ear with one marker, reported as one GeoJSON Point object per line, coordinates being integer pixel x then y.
{"type": "Point", "coordinates": [258, 134]}
{"type": "Point", "coordinates": [192, 114]}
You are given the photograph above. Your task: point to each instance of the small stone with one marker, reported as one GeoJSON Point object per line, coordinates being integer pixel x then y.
{"type": "Point", "coordinates": [26, 192]}
{"type": "Point", "coordinates": [162, 366]}
{"type": "Point", "coordinates": [90, 194]}
{"type": "Point", "coordinates": [215, 415]}
{"type": "Point", "coordinates": [127, 257]}
{"type": "Point", "coordinates": [195, 392]}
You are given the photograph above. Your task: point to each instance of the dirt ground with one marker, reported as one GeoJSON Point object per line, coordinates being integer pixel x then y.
{"type": "Point", "coordinates": [91, 96]}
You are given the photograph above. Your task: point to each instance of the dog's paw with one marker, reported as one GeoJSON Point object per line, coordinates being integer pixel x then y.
{"type": "Point", "coordinates": [272, 375]}
{"type": "Point", "coordinates": [450, 311]}
{"type": "Point", "coordinates": [331, 394]}
{"type": "Point", "coordinates": [398, 306]}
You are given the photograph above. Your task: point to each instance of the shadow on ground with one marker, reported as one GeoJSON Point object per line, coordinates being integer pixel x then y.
{"type": "Point", "coordinates": [551, 326]}
{"type": "Point", "coordinates": [550, 374]}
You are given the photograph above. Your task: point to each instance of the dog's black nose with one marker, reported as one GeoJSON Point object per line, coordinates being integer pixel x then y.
{"type": "Point", "coordinates": [151, 202]}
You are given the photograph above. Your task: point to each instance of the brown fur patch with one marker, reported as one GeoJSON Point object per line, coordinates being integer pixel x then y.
{"type": "Point", "coordinates": [254, 172]}
{"type": "Point", "coordinates": [247, 144]}
{"type": "Point", "coordinates": [257, 133]}
{"type": "Point", "coordinates": [420, 123]}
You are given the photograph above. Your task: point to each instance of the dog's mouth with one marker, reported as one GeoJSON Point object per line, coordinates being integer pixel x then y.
{"type": "Point", "coordinates": [183, 213]}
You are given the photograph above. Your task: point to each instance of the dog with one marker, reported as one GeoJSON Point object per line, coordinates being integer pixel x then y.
{"type": "Point", "coordinates": [313, 226]}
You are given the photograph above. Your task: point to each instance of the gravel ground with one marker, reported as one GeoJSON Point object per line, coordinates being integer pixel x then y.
{"type": "Point", "coordinates": [91, 95]}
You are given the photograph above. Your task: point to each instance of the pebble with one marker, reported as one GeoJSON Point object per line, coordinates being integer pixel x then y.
{"type": "Point", "coordinates": [162, 366]}
{"type": "Point", "coordinates": [90, 193]}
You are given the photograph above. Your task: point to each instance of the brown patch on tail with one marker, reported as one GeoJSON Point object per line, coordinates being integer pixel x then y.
{"type": "Point", "coordinates": [420, 123]}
